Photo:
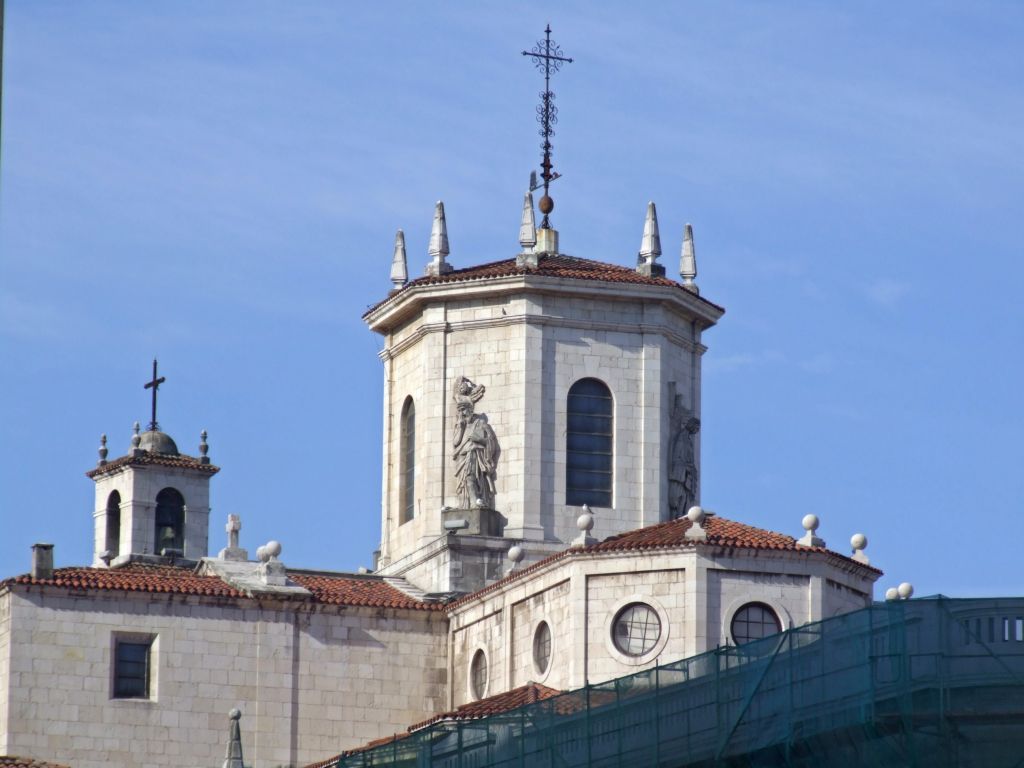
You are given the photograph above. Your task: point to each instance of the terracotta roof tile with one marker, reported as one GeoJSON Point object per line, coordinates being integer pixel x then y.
{"type": "Point", "coordinates": [328, 763]}
{"type": "Point", "coordinates": [368, 591]}
{"type": "Point", "coordinates": [155, 459]}
{"type": "Point", "coordinates": [670, 535]}
{"type": "Point", "coordinates": [26, 762]}
{"type": "Point", "coordinates": [548, 266]}
{"type": "Point", "coordinates": [494, 705]}
{"type": "Point", "coordinates": [721, 532]}
{"type": "Point", "coordinates": [135, 577]}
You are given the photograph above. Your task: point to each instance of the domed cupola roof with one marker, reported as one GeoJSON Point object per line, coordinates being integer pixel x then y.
{"type": "Point", "coordinates": [154, 441]}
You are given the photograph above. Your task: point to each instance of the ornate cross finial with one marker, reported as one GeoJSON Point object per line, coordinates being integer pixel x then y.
{"type": "Point", "coordinates": [548, 58]}
{"type": "Point", "coordinates": [154, 384]}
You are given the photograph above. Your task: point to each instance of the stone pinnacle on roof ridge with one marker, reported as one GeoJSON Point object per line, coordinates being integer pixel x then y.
{"type": "Point", "coordinates": [688, 261]}
{"type": "Point", "coordinates": [527, 235]}
{"type": "Point", "coordinates": [650, 246]}
{"type": "Point", "coordinates": [438, 247]}
{"type": "Point", "coordinates": [399, 262]}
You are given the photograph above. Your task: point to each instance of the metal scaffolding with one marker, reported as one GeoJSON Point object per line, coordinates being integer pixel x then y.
{"type": "Point", "coordinates": [935, 682]}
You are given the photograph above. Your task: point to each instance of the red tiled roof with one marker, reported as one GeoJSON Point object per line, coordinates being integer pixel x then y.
{"type": "Point", "coordinates": [721, 532]}
{"type": "Point", "coordinates": [672, 534]}
{"type": "Point", "coordinates": [26, 762]}
{"type": "Point", "coordinates": [547, 266]}
{"type": "Point", "coordinates": [328, 763]}
{"type": "Point", "coordinates": [494, 705]}
{"type": "Point", "coordinates": [365, 591]}
{"type": "Point", "coordinates": [359, 590]}
{"type": "Point", "coordinates": [135, 577]}
{"type": "Point", "coordinates": [156, 459]}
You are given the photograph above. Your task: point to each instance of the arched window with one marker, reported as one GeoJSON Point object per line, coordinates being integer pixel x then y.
{"type": "Point", "coordinates": [113, 540]}
{"type": "Point", "coordinates": [754, 621]}
{"type": "Point", "coordinates": [588, 444]}
{"type": "Point", "coordinates": [170, 521]}
{"type": "Point", "coordinates": [408, 462]}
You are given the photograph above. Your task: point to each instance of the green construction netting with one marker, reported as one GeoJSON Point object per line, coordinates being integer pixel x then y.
{"type": "Point", "coordinates": [934, 682]}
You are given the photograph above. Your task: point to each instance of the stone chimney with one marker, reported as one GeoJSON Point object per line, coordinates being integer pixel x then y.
{"type": "Point", "coordinates": [42, 561]}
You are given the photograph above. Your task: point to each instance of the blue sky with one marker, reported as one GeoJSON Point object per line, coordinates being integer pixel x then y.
{"type": "Point", "coordinates": [219, 184]}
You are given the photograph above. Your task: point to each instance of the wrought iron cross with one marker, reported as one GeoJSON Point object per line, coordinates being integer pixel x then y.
{"type": "Point", "coordinates": [154, 384]}
{"type": "Point", "coordinates": [547, 56]}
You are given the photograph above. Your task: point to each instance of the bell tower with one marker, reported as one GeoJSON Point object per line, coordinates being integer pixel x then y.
{"type": "Point", "coordinates": [153, 503]}
{"type": "Point", "coordinates": [525, 395]}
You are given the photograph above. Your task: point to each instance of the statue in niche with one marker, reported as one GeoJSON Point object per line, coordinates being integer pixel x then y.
{"type": "Point", "coordinates": [683, 476]}
{"type": "Point", "coordinates": [475, 448]}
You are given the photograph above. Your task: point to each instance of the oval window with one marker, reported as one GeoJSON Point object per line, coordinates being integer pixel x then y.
{"type": "Point", "coordinates": [636, 629]}
{"type": "Point", "coordinates": [478, 675]}
{"type": "Point", "coordinates": [542, 647]}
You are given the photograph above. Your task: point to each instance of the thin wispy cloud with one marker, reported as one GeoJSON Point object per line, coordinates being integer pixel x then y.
{"type": "Point", "coordinates": [885, 291]}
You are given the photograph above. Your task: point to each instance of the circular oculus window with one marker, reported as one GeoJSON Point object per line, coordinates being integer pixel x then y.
{"type": "Point", "coordinates": [542, 647]}
{"type": "Point", "coordinates": [752, 622]}
{"type": "Point", "coordinates": [636, 629]}
{"type": "Point", "coordinates": [478, 674]}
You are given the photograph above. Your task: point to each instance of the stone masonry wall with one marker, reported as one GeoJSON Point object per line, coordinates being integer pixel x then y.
{"type": "Point", "coordinates": [308, 684]}
{"type": "Point", "coordinates": [5, 669]}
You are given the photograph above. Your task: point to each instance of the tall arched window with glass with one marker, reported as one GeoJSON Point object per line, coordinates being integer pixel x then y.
{"type": "Point", "coordinates": [408, 452]}
{"type": "Point", "coordinates": [170, 521]}
{"type": "Point", "coordinates": [589, 445]}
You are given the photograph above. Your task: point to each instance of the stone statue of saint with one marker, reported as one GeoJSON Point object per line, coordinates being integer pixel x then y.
{"type": "Point", "coordinates": [475, 447]}
{"type": "Point", "coordinates": [683, 478]}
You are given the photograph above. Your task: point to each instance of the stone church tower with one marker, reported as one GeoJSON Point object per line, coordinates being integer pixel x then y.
{"type": "Point", "coordinates": [153, 502]}
{"type": "Point", "coordinates": [551, 381]}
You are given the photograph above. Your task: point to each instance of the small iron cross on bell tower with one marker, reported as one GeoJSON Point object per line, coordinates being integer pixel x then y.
{"type": "Point", "coordinates": [154, 384]}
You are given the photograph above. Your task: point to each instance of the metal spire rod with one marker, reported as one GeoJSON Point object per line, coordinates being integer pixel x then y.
{"type": "Point", "coordinates": [547, 56]}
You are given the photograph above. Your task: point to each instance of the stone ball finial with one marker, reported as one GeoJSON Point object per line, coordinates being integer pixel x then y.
{"type": "Point", "coordinates": [261, 554]}
{"type": "Point", "coordinates": [273, 548]}
{"type": "Point", "coordinates": [585, 522]}
{"type": "Point", "coordinates": [858, 541]}
{"type": "Point", "coordinates": [892, 594]}
{"type": "Point", "coordinates": [136, 437]}
{"type": "Point", "coordinates": [516, 553]}
{"type": "Point", "coordinates": [905, 590]}
{"type": "Point", "coordinates": [810, 522]}
{"type": "Point", "coordinates": [235, 714]}
{"type": "Point", "coordinates": [695, 515]}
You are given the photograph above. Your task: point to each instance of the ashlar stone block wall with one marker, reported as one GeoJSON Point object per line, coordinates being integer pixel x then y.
{"type": "Point", "coordinates": [528, 347]}
{"type": "Point", "coordinates": [694, 593]}
{"type": "Point", "coordinates": [309, 683]}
